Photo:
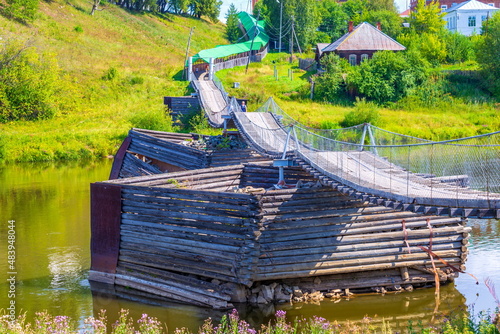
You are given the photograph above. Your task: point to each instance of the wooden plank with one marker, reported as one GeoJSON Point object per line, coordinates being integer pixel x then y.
{"type": "Point", "coordinates": [105, 210]}
{"type": "Point", "coordinates": [118, 159]}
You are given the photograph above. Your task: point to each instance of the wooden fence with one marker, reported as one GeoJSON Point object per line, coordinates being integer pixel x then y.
{"type": "Point", "coordinates": [185, 236]}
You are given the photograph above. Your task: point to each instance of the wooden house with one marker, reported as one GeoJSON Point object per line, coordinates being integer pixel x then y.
{"type": "Point", "coordinates": [360, 43]}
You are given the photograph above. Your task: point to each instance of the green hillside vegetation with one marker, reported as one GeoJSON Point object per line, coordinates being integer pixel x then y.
{"type": "Point", "coordinates": [451, 106]}
{"type": "Point", "coordinates": [98, 75]}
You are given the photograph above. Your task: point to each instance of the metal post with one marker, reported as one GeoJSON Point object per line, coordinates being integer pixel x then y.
{"type": "Point", "coordinates": [363, 137]}
{"type": "Point", "coordinates": [211, 69]}
{"type": "Point", "coordinates": [286, 143]}
{"type": "Point", "coordinates": [372, 139]}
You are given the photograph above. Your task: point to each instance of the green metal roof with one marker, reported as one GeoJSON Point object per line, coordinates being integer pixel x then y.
{"type": "Point", "coordinates": [221, 51]}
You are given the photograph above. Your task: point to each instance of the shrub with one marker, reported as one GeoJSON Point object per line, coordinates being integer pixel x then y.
{"type": "Point", "coordinates": [157, 120]}
{"type": "Point", "coordinates": [110, 74]}
{"type": "Point", "coordinates": [29, 80]}
{"type": "Point", "coordinates": [21, 10]}
{"type": "Point", "coordinates": [364, 112]}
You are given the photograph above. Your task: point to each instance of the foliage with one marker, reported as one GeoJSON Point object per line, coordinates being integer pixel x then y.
{"type": "Point", "coordinates": [429, 45]}
{"type": "Point", "coordinates": [21, 10]}
{"type": "Point", "coordinates": [28, 82]}
{"type": "Point", "coordinates": [427, 18]}
{"type": "Point", "coordinates": [391, 23]}
{"type": "Point", "coordinates": [233, 324]}
{"type": "Point", "coordinates": [488, 56]}
{"type": "Point", "coordinates": [330, 84]}
{"type": "Point", "coordinates": [354, 9]}
{"type": "Point", "coordinates": [459, 48]}
{"type": "Point", "coordinates": [363, 112]}
{"type": "Point", "coordinates": [210, 8]}
{"type": "Point", "coordinates": [158, 120]}
{"type": "Point", "coordinates": [386, 77]}
{"type": "Point", "coordinates": [306, 20]}
{"type": "Point", "coordinates": [232, 24]}
{"type": "Point", "coordinates": [333, 19]}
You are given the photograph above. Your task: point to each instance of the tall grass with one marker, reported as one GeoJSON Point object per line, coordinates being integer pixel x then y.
{"type": "Point", "coordinates": [45, 323]}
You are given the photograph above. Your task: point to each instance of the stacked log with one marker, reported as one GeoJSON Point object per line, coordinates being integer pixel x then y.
{"type": "Point", "coordinates": [189, 236]}
{"type": "Point", "coordinates": [316, 232]}
{"type": "Point", "coordinates": [165, 151]}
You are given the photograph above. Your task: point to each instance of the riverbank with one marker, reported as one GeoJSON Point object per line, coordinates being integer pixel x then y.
{"type": "Point", "coordinates": [113, 70]}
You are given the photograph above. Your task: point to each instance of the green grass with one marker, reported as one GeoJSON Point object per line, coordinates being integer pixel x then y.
{"type": "Point", "coordinates": [146, 53]}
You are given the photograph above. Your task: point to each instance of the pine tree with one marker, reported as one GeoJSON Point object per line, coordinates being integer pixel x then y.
{"type": "Point", "coordinates": [232, 28]}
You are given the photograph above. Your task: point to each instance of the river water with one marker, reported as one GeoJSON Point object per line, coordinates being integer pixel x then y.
{"type": "Point", "coordinates": [46, 209]}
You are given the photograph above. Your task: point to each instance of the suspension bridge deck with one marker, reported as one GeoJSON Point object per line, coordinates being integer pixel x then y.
{"type": "Point", "coordinates": [365, 172]}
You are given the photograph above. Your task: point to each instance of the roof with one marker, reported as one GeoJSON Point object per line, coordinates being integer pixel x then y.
{"type": "Point", "coordinates": [259, 40]}
{"type": "Point", "coordinates": [406, 13]}
{"type": "Point", "coordinates": [320, 47]}
{"type": "Point", "coordinates": [364, 37]}
{"type": "Point", "coordinates": [471, 5]}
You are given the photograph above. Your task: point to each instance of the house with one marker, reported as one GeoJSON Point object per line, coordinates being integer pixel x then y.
{"type": "Point", "coordinates": [360, 43]}
{"type": "Point", "coordinates": [467, 17]}
{"type": "Point", "coordinates": [447, 4]}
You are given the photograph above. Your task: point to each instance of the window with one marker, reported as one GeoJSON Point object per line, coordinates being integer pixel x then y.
{"type": "Point", "coordinates": [444, 7]}
{"type": "Point", "coordinates": [364, 57]}
{"type": "Point", "coordinates": [491, 4]}
{"type": "Point", "coordinates": [472, 21]}
{"type": "Point", "coordinates": [353, 59]}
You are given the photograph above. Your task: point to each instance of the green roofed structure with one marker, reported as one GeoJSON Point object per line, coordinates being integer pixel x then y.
{"type": "Point", "coordinates": [227, 56]}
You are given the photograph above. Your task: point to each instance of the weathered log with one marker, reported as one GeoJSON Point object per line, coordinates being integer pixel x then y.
{"type": "Point", "coordinates": [314, 248]}
{"type": "Point", "coordinates": [339, 270]}
{"type": "Point", "coordinates": [169, 291]}
{"type": "Point", "coordinates": [298, 256]}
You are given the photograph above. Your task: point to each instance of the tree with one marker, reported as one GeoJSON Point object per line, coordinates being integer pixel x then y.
{"type": "Point", "coordinates": [354, 9]}
{"type": "Point", "coordinates": [329, 85]}
{"type": "Point", "coordinates": [390, 21]}
{"type": "Point", "coordinates": [209, 8]}
{"type": "Point", "coordinates": [232, 28]}
{"type": "Point", "coordinates": [388, 76]}
{"type": "Point", "coordinates": [488, 56]}
{"type": "Point", "coordinates": [427, 18]}
{"type": "Point", "coordinates": [306, 21]}
{"type": "Point", "coordinates": [28, 83]}
{"type": "Point", "coordinates": [333, 19]}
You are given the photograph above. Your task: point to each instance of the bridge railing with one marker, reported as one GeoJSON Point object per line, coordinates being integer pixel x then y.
{"type": "Point", "coordinates": [460, 173]}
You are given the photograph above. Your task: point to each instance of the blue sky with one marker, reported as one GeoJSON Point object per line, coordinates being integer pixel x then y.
{"type": "Point", "coordinates": [244, 5]}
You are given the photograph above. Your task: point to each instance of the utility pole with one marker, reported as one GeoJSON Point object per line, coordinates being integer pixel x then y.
{"type": "Point", "coordinates": [281, 23]}
{"type": "Point", "coordinates": [291, 40]}
{"type": "Point", "coordinates": [187, 54]}
{"type": "Point", "coordinates": [251, 45]}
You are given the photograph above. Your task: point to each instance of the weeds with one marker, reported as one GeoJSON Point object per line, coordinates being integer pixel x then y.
{"type": "Point", "coordinates": [233, 324]}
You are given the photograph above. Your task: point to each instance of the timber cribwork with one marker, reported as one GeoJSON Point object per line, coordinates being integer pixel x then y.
{"type": "Point", "coordinates": [188, 236]}
{"type": "Point", "coordinates": [147, 152]}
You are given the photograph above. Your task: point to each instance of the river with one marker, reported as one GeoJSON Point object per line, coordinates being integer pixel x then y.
{"type": "Point", "coordinates": [45, 209]}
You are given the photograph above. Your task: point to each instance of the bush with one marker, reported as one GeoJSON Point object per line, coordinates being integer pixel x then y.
{"type": "Point", "coordinates": [157, 120]}
{"type": "Point", "coordinates": [29, 82]}
{"type": "Point", "coordinates": [364, 112]}
{"type": "Point", "coordinates": [21, 10]}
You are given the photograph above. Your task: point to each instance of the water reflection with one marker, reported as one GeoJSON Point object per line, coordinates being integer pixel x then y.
{"type": "Point", "coordinates": [50, 203]}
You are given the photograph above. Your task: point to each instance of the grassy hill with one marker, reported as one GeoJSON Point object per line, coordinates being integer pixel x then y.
{"type": "Point", "coordinates": [115, 68]}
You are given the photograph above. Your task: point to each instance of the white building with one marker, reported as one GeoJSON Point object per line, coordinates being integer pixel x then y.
{"type": "Point", "coordinates": [467, 17]}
